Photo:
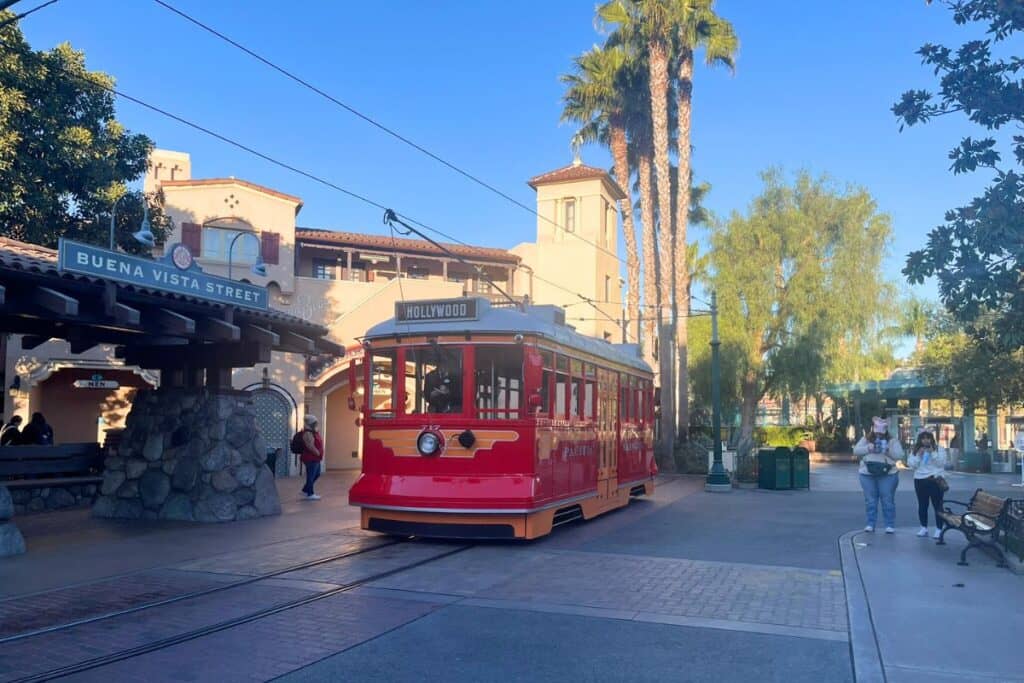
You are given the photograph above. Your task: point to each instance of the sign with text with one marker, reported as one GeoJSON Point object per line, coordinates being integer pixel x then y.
{"type": "Point", "coordinates": [441, 310]}
{"type": "Point", "coordinates": [96, 384]}
{"type": "Point", "coordinates": [177, 273]}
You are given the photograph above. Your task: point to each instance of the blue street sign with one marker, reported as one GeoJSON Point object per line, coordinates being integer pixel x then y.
{"type": "Point", "coordinates": [177, 272]}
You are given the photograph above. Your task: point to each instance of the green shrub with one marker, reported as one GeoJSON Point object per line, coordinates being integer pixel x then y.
{"type": "Point", "coordinates": [692, 456]}
{"type": "Point", "coordinates": [746, 469]}
{"type": "Point", "coordinates": [775, 435]}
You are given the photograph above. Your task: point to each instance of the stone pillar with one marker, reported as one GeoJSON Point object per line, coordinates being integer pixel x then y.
{"type": "Point", "coordinates": [190, 454]}
{"type": "Point", "coordinates": [892, 416]}
{"type": "Point", "coordinates": [993, 429]}
{"type": "Point", "coordinates": [11, 540]}
{"type": "Point", "coordinates": [968, 436]}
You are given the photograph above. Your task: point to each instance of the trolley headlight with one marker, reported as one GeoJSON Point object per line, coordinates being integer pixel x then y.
{"type": "Point", "coordinates": [428, 443]}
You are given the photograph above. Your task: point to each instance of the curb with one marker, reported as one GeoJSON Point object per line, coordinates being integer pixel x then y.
{"type": "Point", "coordinates": [864, 652]}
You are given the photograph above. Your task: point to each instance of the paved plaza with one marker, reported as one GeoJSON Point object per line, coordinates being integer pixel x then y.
{"type": "Point", "coordinates": [751, 585]}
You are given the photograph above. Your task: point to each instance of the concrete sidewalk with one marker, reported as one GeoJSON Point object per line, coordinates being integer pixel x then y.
{"type": "Point", "coordinates": [915, 615]}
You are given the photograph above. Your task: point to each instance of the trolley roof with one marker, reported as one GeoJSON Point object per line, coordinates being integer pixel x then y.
{"type": "Point", "coordinates": [477, 315]}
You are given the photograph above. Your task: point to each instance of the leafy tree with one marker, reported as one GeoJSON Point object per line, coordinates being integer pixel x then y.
{"type": "Point", "coordinates": [797, 277]}
{"type": "Point", "coordinates": [973, 372]}
{"type": "Point", "coordinates": [977, 255]}
{"type": "Point", "coordinates": [913, 319]}
{"type": "Point", "coordinates": [64, 158]}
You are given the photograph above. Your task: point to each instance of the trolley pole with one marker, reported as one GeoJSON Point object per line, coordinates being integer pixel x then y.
{"type": "Point", "coordinates": [718, 478]}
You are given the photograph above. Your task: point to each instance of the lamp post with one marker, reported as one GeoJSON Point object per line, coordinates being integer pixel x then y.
{"type": "Point", "coordinates": [718, 478]}
{"type": "Point", "coordinates": [258, 267]}
{"type": "Point", "coordinates": [144, 235]}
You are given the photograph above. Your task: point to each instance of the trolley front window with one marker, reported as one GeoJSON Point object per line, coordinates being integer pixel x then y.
{"type": "Point", "coordinates": [382, 384]}
{"type": "Point", "coordinates": [433, 380]}
{"type": "Point", "coordinates": [499, 382]}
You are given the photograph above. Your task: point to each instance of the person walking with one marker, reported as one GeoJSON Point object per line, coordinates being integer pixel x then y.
{"type": "Point", "coordinates": [878, 474]}
{"type": "Point", "coordinates": [312, 455]}
{"type": "Point", "coordinates": [929, 464]}
{"type": "Point", "coordinates": [11, 433]}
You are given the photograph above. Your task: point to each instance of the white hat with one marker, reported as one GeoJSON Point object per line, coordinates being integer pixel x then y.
{"type": "Point", "coordinates": [879, 426]}
{"type": "Point", "coordinates": [310, 420]}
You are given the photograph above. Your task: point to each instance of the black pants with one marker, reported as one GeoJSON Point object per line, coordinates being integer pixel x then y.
{"type": "Point", "coordinates": [928, 490]}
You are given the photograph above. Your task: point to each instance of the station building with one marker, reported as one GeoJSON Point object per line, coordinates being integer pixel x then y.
{"type": "Point", "coordinates": [344, 281]}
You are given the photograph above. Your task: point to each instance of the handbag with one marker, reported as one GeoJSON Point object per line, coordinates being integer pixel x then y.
{"type": "Point", "coordinates": [878, 469]}
{"type": "Point", "coordinates": [943, 484]}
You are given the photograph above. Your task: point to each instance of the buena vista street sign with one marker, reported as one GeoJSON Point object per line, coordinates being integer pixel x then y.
{"type": "Point", "coordinates": [177, 273]}
{"type": "Point", "coordinates": [441, 310]}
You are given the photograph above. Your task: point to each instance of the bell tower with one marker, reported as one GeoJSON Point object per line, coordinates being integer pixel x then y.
{"type": "Point", "coordinates": [576, 251]}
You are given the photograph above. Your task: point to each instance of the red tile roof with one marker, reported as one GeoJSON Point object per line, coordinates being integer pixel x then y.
{"type": "Point", "coordinates": [575, 172]}
{"type": "Point", "coordinates": [234, 181]}
{"type": "Point", "coordinates": [402, 244]}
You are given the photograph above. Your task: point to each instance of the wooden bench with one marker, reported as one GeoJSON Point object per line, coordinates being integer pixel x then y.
{"type": "Point", "coordinates": [70, 459]}
{"type": "Point", "coordinates": [983, 522]}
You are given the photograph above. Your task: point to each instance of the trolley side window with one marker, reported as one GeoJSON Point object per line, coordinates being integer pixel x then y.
{"type": "Point", "coordinates": [499, 382]}
{"type": "Point", "coordinates": [433, 380]}
{"type": "Point", "coordinates": [561, 388]}
{"type": "Point", "coordinates": [547, 378]}
{"type": "Point", "coordinates": [590, 392]}
{"type": "Point", "coordinates": [382, 384]}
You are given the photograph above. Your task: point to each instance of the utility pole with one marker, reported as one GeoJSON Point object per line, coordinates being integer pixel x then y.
{"type": "Point", "coordinates": [718, 478]}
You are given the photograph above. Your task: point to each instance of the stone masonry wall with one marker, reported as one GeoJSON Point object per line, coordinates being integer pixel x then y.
{"type": "Point", "coordinates": [44, 498]}
{"type": "Point", "coordinates": [11, 540]}
{"type": "Point", "coordinates": [189, 454]}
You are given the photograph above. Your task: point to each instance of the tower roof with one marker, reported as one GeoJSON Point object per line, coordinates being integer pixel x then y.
{"type": "Point", "coordinates": [574, 172]}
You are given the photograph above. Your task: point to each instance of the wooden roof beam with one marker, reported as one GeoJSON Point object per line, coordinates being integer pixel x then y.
{"type": "Point", "coordinates": [260, 335]}
{"type": "Point", "coordinates": [173, 323]}
{"type": "Point", "coordinates": [54, 301]}
{"type": "Point", "coordinates": [298, 342]}
{"type": "Point", "coordinates": [217, 329]}
{"type": "Point", "coordinates": [124, 315]}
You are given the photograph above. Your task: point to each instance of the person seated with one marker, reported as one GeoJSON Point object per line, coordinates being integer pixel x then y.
{"type": "Point", "coordinates": [38, 432]}
{"type": "Point", "coordinates": [11, 433]}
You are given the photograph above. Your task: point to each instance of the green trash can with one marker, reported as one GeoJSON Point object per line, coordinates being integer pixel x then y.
{"type": "Point", "coordinates": [800, 468]}
{"type": "Point", "coordinates": [774, 468]}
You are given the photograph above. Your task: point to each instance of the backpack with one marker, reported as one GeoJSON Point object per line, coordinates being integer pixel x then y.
{"type": "Point", "coordinates": [297, 445]}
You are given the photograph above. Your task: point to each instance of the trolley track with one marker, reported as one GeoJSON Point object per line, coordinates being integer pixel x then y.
{"type": "Point", "coordinates": [194, 594]}
{"type": "Point", "coordinates": [194, 634]}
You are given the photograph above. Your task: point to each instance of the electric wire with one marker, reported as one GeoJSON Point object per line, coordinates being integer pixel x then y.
{"type": "Point", "coordinates": [19, 17]}
{"type": "Point", "coordinates": [373, 122]}
{"type": "Point", "coordinates": [293, 169]}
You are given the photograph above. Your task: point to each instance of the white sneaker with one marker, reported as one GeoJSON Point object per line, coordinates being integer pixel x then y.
{"type": "Point", "coordinates": [312, 496]}
{"type": "Point", "coordinates": [870, 529]}
{"type": "Point", "coordinates": [890, 530]}
{"type": "Point", "coordinates": [923, 531]}
{"type": "Point", "coordinates": [937, 533]}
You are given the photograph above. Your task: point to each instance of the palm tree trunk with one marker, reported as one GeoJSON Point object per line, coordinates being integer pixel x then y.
{"type": "Point", "coordinates": [620, 154]}
{"type": "Point", "coordinates": [684, 92]}
{"type": "Point", "coordinates": [659, 82]}
{"type": "Point", "coordinates": [652, 294]}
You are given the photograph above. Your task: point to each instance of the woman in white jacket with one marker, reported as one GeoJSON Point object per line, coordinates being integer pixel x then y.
{"type": "Point", "coordinates": [929, 464]}
{"type": "Point", "coordinates": [878, 474]}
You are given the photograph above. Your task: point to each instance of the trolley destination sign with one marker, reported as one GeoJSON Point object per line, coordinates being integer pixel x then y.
{"type": "Point", "coordinates": [177, 273]}
{"type": "Point", "coordinates": [439, 310]}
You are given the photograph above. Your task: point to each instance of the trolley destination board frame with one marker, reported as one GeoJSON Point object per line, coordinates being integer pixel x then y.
{"type": "Point", "coordinates": [436, 310]}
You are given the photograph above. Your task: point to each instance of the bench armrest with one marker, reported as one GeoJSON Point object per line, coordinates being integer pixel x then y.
{"type": "Point", "coordinates": [955, 502]}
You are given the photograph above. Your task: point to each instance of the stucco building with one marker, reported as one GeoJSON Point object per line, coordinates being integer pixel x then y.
{"type": "Point", "coordinates": [346, 281]}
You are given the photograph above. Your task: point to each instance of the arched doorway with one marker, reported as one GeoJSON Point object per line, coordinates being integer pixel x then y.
{"type": "Point", "coordinates": [274, 419]}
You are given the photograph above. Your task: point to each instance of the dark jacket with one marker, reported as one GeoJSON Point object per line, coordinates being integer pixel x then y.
{"type": "Point", "coordinates": [10, 435]}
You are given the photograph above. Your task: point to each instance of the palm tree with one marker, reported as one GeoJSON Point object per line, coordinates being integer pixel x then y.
{"type": "Point", "coordinates": [913, 319]}
{"type": "Point", "coordinates": [696, 26]}
{"type": "Point", "coordinates": [595, 97]}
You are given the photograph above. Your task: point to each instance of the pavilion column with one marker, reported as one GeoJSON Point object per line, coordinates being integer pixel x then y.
{"type": "Point", "coordinates": [993, 428]}
{"type": "Point", "coordinates": [915, 418]}
{"type": "Point", "coordinates": [892, 406]}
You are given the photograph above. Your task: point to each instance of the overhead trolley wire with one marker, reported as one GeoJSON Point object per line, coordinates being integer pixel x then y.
{"type": "Point", "coordinates": [376, 124]}
{"type": "Point", "coordinates": [19, 17]}
{"type": "Point", "coordinates": [287, 166]}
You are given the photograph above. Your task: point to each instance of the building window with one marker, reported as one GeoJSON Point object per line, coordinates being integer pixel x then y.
{"type": "Point", "coordinates": [607, 287]}
{"type": "Point", "coordinates": [418, 272]}
{"type": "Point", "coordinates": [323, 269]}
{"type": "Point", "coordinates": [217, 241]}
{"type": "Point", "coordinates": [570, 215]}
{"type": "Point", "coordinates": [455, 277]}
{"type": "Point", "coordinates": [357, 273]}
{"type": "Point", "coordinates": [481, 286]}
{"type": "Point", "coordinates": [604, 224]}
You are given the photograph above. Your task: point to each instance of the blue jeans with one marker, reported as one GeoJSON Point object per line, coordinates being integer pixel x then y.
{"type": "Point", "coordinates": [312, 474]}
{"type": "Point", "coordinates": [880, 488]}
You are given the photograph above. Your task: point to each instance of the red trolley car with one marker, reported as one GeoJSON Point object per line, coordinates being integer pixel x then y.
{"type": "Point", "coordinates": [484, 421]}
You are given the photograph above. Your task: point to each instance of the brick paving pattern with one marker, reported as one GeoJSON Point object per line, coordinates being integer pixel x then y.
{"type": "Point", "coordinates": [18, 615]}
{"type": "Point", "coordinates": [780, 596]}
{"type": "Point", "coordinates": [362, 567]}
{"type": "Point", "coordinates": [278, 556]}
{"type": "Point", "coordinates": [61, 648]}
{"type": "Point", "coordinates": [255, 652]}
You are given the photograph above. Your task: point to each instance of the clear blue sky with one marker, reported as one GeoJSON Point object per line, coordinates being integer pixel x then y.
{"type": "Point", "coordinates": [477, 82]}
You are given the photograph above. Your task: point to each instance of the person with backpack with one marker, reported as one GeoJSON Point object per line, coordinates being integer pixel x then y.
{"type": "Point", "coordinates": [309, 446]}
{"type": "Point", "coordinates": [878, 474]}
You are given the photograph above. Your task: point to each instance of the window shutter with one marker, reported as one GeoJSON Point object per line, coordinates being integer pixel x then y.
{"type": "Point", "coordinates": [270, 243]}
{"type": "Point", "coordinates": [192, 237]}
